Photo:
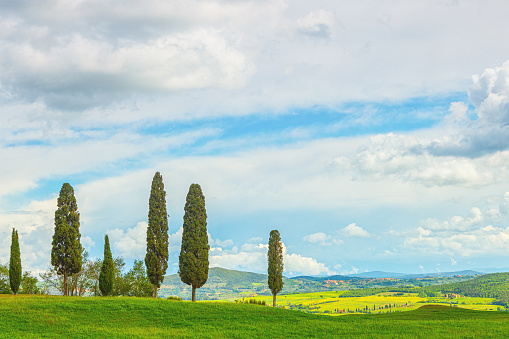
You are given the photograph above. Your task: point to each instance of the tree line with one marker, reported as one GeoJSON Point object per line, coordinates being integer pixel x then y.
{"type": "Point", "coordinates": [72, 273]}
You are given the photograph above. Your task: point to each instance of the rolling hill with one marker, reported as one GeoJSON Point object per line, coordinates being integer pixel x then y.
{"type": "Point", "coordinates": [230, 284]}
{"type": "Point", "coordinates": [113, 317]}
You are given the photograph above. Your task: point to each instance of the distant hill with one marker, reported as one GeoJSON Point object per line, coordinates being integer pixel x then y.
{"type": "Point", "coordinates": [440, 274]}
{"type": "Point", "coordinates": [493, 285]}
{"type": "Point", "coordinates": [377, 274]}
{"type": "Point", "coordinates": [231, 284]}
{"type": "Point", "coordinates": [381, 274]}
{"type": "Point", "coordinates": [322, 279]}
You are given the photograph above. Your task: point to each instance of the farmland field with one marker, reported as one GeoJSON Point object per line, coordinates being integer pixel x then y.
{"type": "Point", "coordinates": [333, 303]}
{"type": "Point", "coordinates": [51, 316]}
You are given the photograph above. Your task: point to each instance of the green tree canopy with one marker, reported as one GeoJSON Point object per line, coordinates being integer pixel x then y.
{"type": "Point", "coordinates": [156, 259]}
{"type": "Point", "coordinates": [194, 252]}
{"type": "Point", "coordinates": [29, 284]}
{"type": "Point", "coordinates": [137, 281]}
{"type": "Point", "coordinates": [15, 273]}
{"type": "Point", "coordinates": [66, 247]}
{"type": "Point", "coordinates": [275, 269]}
{"type": "Point", "coordinates": [107, 274]}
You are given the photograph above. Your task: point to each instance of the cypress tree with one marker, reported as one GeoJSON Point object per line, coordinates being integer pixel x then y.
{"type": "Point", "coordinates": [275, 269]}
{"type": "Point", "coordinates": [194, 252]}
{"type": "Point", "coordinates": [66, 247]}
{"type": "Point", "coordinates": [107, 273]}
{"type": "Point", "coordinates": [15, 263]}
{"type": "Point", "coordinates": [156, 259]}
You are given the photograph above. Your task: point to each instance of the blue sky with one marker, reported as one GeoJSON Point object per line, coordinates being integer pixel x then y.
{"type": "Point", "coordinates": [372, 134]}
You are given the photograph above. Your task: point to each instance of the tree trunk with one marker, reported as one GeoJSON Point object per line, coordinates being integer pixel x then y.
{"type": "Point", "coordinates": [274, 300]}
{"type": "Point", "coordinates": [154, 293]}
{"type": "Point", "coordinates": [194, 294]}
{"type": "Point", "coordinates": [66, 286]}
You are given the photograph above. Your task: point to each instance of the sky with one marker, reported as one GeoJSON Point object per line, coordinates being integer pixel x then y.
{"type": "Point", "coordinates": [374, 135]}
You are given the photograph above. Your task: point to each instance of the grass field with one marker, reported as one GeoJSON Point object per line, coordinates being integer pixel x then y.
{"type": "Point", "coordinates": [51, 316]}
{"type": "Point", "coordinates": [332, 302]}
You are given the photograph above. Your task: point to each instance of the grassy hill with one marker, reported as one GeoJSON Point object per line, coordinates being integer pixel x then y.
{"type": "Point", "coordinates": [72, 317]}
{"type": "Point", "coordinates": [229, 284]}
{"type": "Point", "coordinates": [494, 285]}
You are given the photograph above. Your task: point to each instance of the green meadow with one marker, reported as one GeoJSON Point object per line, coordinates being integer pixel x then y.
{"type": "Point", "coordinates": [333, 303]}
{"type": "Point", "coordinates": [120, 317]}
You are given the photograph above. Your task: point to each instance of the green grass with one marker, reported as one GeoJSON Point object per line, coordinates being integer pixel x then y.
{"type": "Point", "coordinates": [333, 302]}
{"type": "Point", "coordinates": [51, 316]}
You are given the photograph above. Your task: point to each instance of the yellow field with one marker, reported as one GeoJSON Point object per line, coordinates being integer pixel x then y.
{"type": "Point", "coordinates": [331, 303]}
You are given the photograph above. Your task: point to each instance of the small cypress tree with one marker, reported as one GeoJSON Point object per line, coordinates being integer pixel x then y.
{"type": "Point", "coordinates": [66, 247]}
{"type": "Point", "coordinates": [106, 276]}
{"type": "Point", "coordinates": [275, 269]}
{"type": "Point", "coordinates": [15, 263]}
{"type": "Point", "coordinates": [194, 252]}
{"type": "Point", "coordinates": [156, 259]}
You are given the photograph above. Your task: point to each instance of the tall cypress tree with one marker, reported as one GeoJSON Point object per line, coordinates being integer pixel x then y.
{"type": "Point", "coordinates": [15, 263]}
{"type": "Point", "coordinates": [66, 251]}
{"type": "Point", "coordinates": [275, 258]}
{"type": "Point", "coordinates": [106, 276]}
{"type": "Point", "coordinates": [156, 259]}
{"type": "Point", "coordinates": [194, 252]}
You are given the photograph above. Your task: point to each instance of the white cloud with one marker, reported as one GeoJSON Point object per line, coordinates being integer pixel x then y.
{"type": "Point", "coordinates": [87, 242]}
{"type": "Point", "coordinates": [130, 243]}
{"type": "Point", "coordinates": [455, 223]}
{"type": "Point", "coordinates": [490, 94]}
{"type": "Point", "coordinates": [221, 243]}
{"type": "Point", "coordinates": [410, 159]}
{"type": "Point", "coordinates": [458, 114]}
{"type": "Point", "coordinates": [460, 237]}
{"type": "Point", "coordinates": [321, 239]}
{"type": "Point", "coordinates": [320, 23]}
{"type": "Point", "coordinates": [296, 264]}
{"type": "Point", "coordinates": [255, 239]}
{"type": "Point", "coordinates": [253, 257]}
{"type": "Point", "coordinates": [353, 230]}
{"type": "Point", "coordinates": [453, 262]}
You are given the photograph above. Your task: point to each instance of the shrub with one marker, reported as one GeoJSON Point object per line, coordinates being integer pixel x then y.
{"type": "Point", "coordinates": [171, 297]}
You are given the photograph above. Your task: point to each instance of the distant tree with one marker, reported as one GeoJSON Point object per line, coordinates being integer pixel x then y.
{"type": "Point", "coordinates": [15, 263]}
{"type": "Point", "coordinates": [194, 252]}
{"type": "Point", "coordinates": [107, 274]}
{"type": "Point", "coordinates": [156, 259]}
{"type": "Point", "coordinates": [4, 280]}
{"type": "Point", "coordinates": [29, 284]}
{"type": "Point", "coordinates": [78, 284]}
{"type": "Point", "coordinates": [120, 287]}
{"type": "Point", "coordinates": [66, 251]}
{"type": "Point", "coordinates": [118, 276]}
{"type": "Point", "coordinates": [138, 282]}
{"type": "Point", "coordinates": [275, 269]}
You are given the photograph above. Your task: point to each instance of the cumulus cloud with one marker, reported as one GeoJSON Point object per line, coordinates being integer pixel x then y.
{"type": "Point", "coordinates": [253, 257]}
{"type": "Point", "coordinates": [353, 230]}
{"type": "Point", "coordinates": [480, 241]}
{"type": "Point", "coordinates": [35, 226]}
{"type": "Point", "coordinates": [130, 243]}
{"type": "Point", "coordinates": [322, 239]}
{"type": "Point", "coordinates": [464, 236]}
{"type": "Point", "coordinates": [100, 68]}
{"type": "Point", "coordinates": [490, 94]}
{"type": "Point", "coordinates": [457, 223]}
{"type": "Point", "coordinates": [296, 264]}
{"type": "Point", "coordinates": [408, 158]}
{"type": "Point", "coordinates": [221, 243]}
{"type": "Point", "coordinates": [87, 242]}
